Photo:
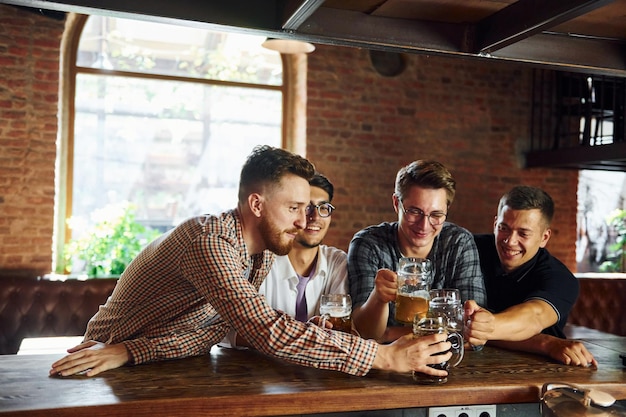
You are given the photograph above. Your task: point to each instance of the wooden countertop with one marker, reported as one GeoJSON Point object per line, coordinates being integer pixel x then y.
{"type": "Point", "coordinates": [229, 382]}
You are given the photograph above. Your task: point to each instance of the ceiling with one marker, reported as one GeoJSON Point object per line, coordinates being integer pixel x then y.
{"type": "Point", "coordinates": [578, 34]}
{"type": "Point", "coordinates": [575, 35]}
{"type": "Point", "coordinates": [585, 36]}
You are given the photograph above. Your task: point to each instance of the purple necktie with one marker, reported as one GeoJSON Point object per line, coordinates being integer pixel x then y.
{"type": "Point", "coordinates": [301, 308]}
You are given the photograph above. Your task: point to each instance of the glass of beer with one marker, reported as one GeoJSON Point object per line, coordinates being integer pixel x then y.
{"type": "Point", "coordinates": [337, 309]}
{"type": "Point", "coordinates": [414, 279]}
{"type": "Point", "coordinates": [434, 325]}
{"type": "Point", "coordinates": [446, 302]}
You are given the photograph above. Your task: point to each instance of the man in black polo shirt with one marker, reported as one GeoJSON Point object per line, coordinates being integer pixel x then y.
{"type": "Point", "coordinates": [529, 292]}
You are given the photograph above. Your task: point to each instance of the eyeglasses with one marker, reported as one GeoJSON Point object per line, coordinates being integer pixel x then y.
{"type": "Point", "coordinates": [413, 215]}
{"type": "Point", "coordinates": [324, 209]}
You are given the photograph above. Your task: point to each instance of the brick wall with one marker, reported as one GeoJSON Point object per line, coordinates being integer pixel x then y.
{"type": "Point", "coordinates": [29, 84]}
{"type": "Point", "coordinates": [471, 115]}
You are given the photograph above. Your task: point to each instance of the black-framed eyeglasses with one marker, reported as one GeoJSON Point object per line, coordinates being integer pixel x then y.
{"type": "Point", "coordinates": [324, 209]}
{"type": "Point", "coordinates": [413, 215]}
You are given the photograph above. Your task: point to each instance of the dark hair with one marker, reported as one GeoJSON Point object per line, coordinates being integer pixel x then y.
{"type": "Point", "coordinates": [267, 165]}
{"type": "Point", "coordinates": [425, 174]}
{"type": "Point", "coordinates": [523, 197]}
{"type": "Point", "coordinates": [322, 182]}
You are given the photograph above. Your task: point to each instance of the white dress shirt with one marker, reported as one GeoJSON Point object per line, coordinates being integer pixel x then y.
{"type": "Point", "coordinates": [330, 277]}
{"type": "Point", "coordinates": [279, 287]}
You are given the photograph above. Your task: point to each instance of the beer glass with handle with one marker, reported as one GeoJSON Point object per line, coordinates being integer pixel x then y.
{"type": "Point", "coordinates": [337, 309]}
{"type": "Point", "coordinates": [414, 279]}
{"type": "Point", "coordinates": [434, 325]}
{"type": "Point", "coordinates": [446, 302]}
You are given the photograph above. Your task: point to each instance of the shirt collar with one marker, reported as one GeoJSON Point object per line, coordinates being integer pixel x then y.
{"type": "Point", "coordinates": [520, 272]}
{"type": "Point", "coordinates": [286, 271]}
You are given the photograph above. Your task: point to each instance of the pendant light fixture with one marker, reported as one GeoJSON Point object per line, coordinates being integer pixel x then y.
{"type": "Point", "coordinates": [288, 46]}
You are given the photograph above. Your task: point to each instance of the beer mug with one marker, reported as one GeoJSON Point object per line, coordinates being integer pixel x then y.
{"type": "Point", "coordinates": [435, 325]}
{"type": "Point", "coordinates": [446, 302]}
{"type": "Point", "coordinates": [414, 279]}
{"type": "Point", "coordinates": [337, 309]}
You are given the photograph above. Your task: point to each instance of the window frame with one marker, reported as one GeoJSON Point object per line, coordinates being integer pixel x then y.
{"type": "Point", "coordinates": [293, 117]}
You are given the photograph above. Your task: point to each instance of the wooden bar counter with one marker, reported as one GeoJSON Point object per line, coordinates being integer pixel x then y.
{"type": "Point", "coordinates": [233, 383]}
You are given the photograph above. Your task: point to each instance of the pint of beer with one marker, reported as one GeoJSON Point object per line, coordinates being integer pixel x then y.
{"type": "Point", "coordinates": [414, 279]}
{"type": "Point", "coordinates": [410, 305]}
{"type": "Point", "coordinates": [433, 325]}
{"type": "Point", "coordinates": [337, 309]}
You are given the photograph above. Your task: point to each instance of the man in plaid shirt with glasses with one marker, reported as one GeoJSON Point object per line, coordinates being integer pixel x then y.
{"type": "Point", "coordinates": [423, 193]}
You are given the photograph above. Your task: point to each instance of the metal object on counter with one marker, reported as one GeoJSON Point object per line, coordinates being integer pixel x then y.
{"type": "Point", "coordinates": [564, 400]}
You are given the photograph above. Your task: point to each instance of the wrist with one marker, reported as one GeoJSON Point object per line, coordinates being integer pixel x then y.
{"type": "Point", "coordinates": [381, 360]}
{"type": "Point", "coordinates": [379, 300]}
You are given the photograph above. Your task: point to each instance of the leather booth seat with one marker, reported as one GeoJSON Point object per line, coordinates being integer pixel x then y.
{"type": "Point", "coordinates": [31, 307]}
{"type": "Point", "coordinates": [601, 305]}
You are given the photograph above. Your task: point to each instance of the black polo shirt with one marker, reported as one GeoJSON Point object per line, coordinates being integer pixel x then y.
{"type": "Point", "coordinates": [543, 277]}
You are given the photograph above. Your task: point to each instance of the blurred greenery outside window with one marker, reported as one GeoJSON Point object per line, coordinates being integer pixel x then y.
{"type": "Point", "coordinates": [601, 224]}
{"type": "Point", "coordinates": [164, 117]}
{"type": "Point", "coordinates": [616, 257]}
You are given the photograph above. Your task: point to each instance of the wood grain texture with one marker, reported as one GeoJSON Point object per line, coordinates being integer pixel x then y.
{"type": "Point", "coordinates": [229, 382]}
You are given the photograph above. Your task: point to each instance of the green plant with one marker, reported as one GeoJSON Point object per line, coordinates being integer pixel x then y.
{"type": "Point", "coordinates": [109, 246]}
{"type": "Point", "coordinates": [616, 260]}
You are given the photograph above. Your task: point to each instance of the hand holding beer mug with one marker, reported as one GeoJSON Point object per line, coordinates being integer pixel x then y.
{"type": "Point", "coordinates": [447, 303]}
{"type": "Point", "coordinates": [434, 325]}
{"type": "Point", "coordinates": [414, 279]}
{"type": "Point", "coordinates": [337, 309]}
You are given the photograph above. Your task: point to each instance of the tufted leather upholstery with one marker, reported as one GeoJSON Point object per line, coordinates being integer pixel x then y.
{"type": "Point", "coordinates": [31, 307]}
{"type": "Point", "coordinates": [601, 305]}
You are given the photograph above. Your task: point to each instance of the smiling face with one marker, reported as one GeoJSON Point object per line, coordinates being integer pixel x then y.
{"type": "Point", "coordinates": [519, 234]}
{"type": "Point", "coordinates": [316, 226]}
{"type": "Point", "coordinates": [283, 216]}
{"type": "Point", "coordinates": [416, 238]}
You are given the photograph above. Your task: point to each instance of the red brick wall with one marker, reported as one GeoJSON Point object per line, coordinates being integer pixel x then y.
{"type": "Point", "coordinates": [29, 85]}
{"type": "Point", "coordinates": [471, 115]}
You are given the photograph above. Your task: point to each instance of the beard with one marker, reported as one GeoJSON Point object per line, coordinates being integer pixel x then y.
{"type": "Point", "coordinates": [273, 238]}
{"type": "Point", "coordinates": [308, 244]}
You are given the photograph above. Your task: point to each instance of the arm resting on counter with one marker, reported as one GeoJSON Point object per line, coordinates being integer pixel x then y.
{"type": "Point", "coordinates": [568, 352]}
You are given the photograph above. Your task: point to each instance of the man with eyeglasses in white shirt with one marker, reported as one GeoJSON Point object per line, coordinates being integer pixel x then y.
{"type": "Point", "coordinates": [297, 280]}
{"type": "Point", "coordinates": [423, 193]}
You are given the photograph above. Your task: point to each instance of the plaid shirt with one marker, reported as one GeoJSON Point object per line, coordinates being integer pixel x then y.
{"type": "Point", "coordinates": [454, 256]}
{"type": "Point", "coordinates": [189, 287]}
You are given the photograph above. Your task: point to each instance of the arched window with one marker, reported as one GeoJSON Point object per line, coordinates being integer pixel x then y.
{"type": "Point", "coordinates": [163, 117]}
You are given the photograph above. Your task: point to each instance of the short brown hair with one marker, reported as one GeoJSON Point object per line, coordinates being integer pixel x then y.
{"type": "Point", "coordinates": [524, 197]}
{"type": "Point", "coordinates": [425, 174]}
{"type": "Point", "coordinates": [267, 165]}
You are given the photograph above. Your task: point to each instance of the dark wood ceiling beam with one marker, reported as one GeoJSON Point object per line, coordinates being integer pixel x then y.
{"type": "Point", "coordinates": [349, 28]}
{"type": "Point", "coordinates": [606, 157]}
{"type": "Point", "coordinates": [578, 54]}
{"type": "Point", "coordinates": [240, 15]}
{"type": "Point", "coordinates": [525, 18]}
{"type": "Point", "coordinates": [549, 50]}
{"type": "Point", "coordinates": [343, 27]}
